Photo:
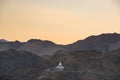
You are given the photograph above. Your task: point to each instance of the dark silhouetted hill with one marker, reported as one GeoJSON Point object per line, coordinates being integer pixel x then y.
{"type": "Point", "coordinates": [86, 65]}
{"type": "Point", "coordinates": [79, 65]}
{"type": "Point", "coordinates": [103, 43]}
{"type": "Point", "coordinates": [20, 65]}
{"type": "Point", "coordinates": [3, 40]}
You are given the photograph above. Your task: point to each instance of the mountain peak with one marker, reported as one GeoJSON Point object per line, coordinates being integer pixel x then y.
{"type": "Point", "coordinates": [104, 35]}
{"type": "Point", "coordinates": [34, 40]}
{"type": "Point", "coordinates": [102, 42]}
{"type": "Point", "coordinates": [3, 40]}
{"type": "Point", "coordinates": [41, 41]}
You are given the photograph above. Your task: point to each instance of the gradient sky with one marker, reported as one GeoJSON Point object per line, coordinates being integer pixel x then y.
{"type": "Point", "coordinates": [61, 21]}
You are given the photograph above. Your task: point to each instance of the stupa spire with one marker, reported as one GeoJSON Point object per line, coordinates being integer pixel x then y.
{"type": "Point", "coordinates": [60, 67]}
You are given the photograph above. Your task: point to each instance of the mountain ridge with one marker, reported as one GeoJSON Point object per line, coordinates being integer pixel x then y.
{"type": "Point", "coordinates": [103, 43]}
{"type": "Point", "coordinates": [3, 40]}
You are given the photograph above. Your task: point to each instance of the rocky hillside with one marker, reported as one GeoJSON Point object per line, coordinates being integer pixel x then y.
{"type": "Point", "coordinates": [79, 65]}
{"type": "Point", "coordinates": [94, 58]}
{"type": "Point", "coordinates": [103, 43]}
{"type": "Point", "coordinates": [86, 65]}
{"type": "Point", "coordinates": [20, 65]}
{"type": "Point", "coordinates": [10, 45]}
{"type": "Point", "coordinates": [40, 47]}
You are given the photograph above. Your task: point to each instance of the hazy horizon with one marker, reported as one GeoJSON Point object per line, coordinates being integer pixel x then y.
{"type": "Point", "coordinates": [60, 21]}
{"type": "Point", "coordinates": [55, 42]}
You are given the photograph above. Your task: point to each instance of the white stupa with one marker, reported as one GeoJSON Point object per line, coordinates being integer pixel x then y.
{"type": "Point", "coordinates": [60, 67]}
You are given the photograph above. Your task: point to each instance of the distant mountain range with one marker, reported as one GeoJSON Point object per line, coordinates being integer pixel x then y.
{"type": "Point", "coordinates": [94, 58]}
{"type": "Point", "coordinates": [3, 40]}
{"type": "Point", "coordinates": [102, 43]}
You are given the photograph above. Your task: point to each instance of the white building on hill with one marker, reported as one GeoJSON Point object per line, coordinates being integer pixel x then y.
{"type": "Point", "coordinates": [60, 67]}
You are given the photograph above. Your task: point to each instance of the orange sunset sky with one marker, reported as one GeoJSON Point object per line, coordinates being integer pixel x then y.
{"type": "Point", "coordinates": [61, 21]}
